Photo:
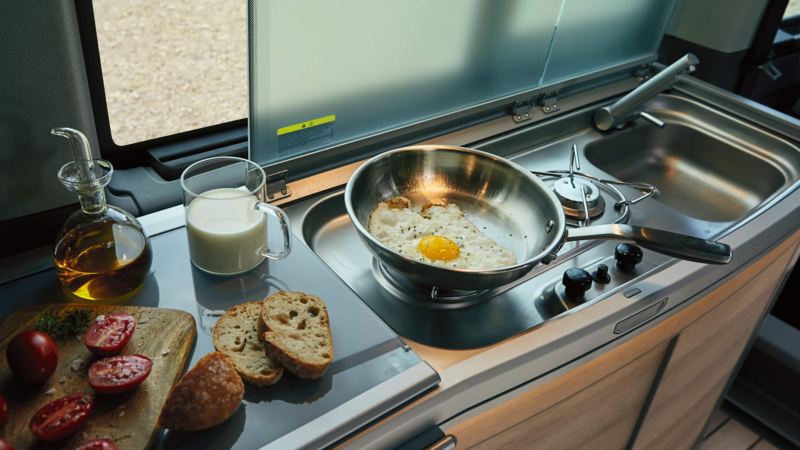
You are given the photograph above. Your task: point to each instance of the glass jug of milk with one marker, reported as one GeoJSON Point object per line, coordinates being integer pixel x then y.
{"type": "Point", "coordinates": [226, 219]}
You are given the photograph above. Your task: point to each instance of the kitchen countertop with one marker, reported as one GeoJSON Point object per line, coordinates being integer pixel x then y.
{"type": "Point", "coordinates": [468, 377]}
{"type": "Point", "coordinates": [372, 372]}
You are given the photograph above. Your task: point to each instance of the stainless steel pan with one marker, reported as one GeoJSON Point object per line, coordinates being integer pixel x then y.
{"type": "Point", "coordinates": [509, 204]}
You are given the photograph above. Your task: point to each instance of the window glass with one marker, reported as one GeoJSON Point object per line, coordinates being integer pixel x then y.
{"type": "Point", "coordinates": [326, 73]}
{"type": "Point", "coordinates": [593, 35]}
{"type": "Point", "coordinates": [170, 67]}
{"type": "Point", "coordinates": [792, 9]}
{"type": "Point", "coordinates": [329, 72]}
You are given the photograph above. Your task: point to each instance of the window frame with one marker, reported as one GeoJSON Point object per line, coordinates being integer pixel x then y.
{"type": "Point", "coordinates": [137, 153]}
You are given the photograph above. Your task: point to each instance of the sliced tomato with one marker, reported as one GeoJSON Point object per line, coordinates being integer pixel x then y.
{"type": "Point", "coordinates": [117, 374]}
{"type": "Point", "coordinates": [60, 418]}
{"type": "Point", "coordinates": [98, 444]}
{"type": "Point", "coordinates": [108, 334]}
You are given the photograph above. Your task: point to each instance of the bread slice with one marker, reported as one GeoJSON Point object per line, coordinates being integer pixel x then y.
{"type": "Point", "coordinates": [296, 330]}
{"type": "Point", "coordinates": [205, 396]}
{"type": "Point", "coordinates": [236, 335]}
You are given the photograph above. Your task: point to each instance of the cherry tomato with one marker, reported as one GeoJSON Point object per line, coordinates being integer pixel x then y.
{"type": "Point", "coordinates": [32, 356]}
{"type": "Point", "coordinates": [60, 418]}
{"type": "Point", "coordinates": [4, 445]}
{"type": "Point", "coordinates": [108, 334]}
{"type": "Point", "coordinates": [119, 373]}
{"type": "Point", "coordinates": [97, 444]}
{"type": "Point", "coordinates": [3, 412]}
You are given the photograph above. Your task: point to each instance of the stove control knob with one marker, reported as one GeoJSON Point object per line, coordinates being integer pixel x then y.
{"type": "Point", "coordinates": [627, 256]}
{"type": "Point", "coordinates": [601, 274]}
{"type": "Point", "coordinates": [576, 281]}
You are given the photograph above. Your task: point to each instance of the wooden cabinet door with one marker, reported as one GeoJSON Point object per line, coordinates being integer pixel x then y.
{"type": "Point", "coordinates": [703, 359]}
{"type": "Point", "coordinates": [600, 416]}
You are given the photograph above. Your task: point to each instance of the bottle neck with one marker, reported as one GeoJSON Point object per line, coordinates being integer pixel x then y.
{"type": "Point", "coordinates": [93, 202]}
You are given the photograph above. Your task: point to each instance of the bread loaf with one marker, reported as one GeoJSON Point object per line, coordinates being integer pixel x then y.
{"type": "Point", "coordinates": [205, 396]}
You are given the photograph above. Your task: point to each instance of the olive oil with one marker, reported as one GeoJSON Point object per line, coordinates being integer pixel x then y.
{"type": "Point", "coordinates": [101, 252]}
{"type": "Point", "coordinates": [103, 260]}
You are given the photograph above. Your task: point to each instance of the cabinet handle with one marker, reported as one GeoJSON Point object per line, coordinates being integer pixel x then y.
{"type": "Point", "coordinates": [446, 443]}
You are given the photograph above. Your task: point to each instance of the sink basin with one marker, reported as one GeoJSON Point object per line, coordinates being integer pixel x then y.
{"type": "Point", "coordinates": [698, 174]}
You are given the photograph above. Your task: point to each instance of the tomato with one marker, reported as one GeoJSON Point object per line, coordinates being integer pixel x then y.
{"type": "Point", "coordinates": [119, 373]}
{"type": "Point", "coordinates": [60, 418]}
{"type": "Point", "coordinates": [108, 334]}
{"type": "Point", "coordinates": [4, 445]}
{"type": "Point", "coordinates": [32, 356]}
{"type": "Point", "coordinates": [97, 444]}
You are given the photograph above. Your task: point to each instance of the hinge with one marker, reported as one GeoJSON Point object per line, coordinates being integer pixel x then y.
{"type": "Point", "coordinates": [772, 72]}
{"type": "Point", "coordinates": [521, 111]}
{"type": "Point", "coordinates": [643, 73]}
{"type": "Point", "coordinates": [549, 103]}
{"type": "Point", "coordinates": [277, 186]}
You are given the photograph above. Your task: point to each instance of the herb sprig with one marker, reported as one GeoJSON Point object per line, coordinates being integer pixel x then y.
{"type": "Point", "coordinates": [60, 327]}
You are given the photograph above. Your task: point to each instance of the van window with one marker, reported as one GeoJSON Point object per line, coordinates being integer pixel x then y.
{"type": "Point", "coordinates": [171, 67]}
{"type": "Point", "coordinates": [792, 9]}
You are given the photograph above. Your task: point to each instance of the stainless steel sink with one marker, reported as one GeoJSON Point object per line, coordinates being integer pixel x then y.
{"type": "Point", "coordinates": [712, 169]}
{"type": "Point", "coordinates": [698, 174]}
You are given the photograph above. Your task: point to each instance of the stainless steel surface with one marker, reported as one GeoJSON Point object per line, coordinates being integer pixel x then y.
{"type": "Point", "coordinates": [630, 105]}
{"type": "Point", "coordinates": [580, 198]}
{"type": "Point", "coordinates": [512, 206]}
{"type": "Point", "coordinates": [508, 203]}
{"type": "Point", "coordinates": [324, 430]}
{"type": "Point", "coordinates": [622, 203]}
{"type": "Point", "coordinates": [697, 173]}
{"type": "Point", "coordinates": [665, 242]}
{"type": "Point", "coordinates": [652, 119]}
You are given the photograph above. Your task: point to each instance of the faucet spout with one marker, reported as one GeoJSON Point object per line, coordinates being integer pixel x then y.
{"type": "Point", "coordinates": [628, 107]}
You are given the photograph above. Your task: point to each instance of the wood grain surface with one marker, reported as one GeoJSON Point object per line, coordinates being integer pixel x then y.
{"type": "Point", "coordinates": [704, 357]}
{"type": "Point", "coordinates": [164, 335]}
{"type": "Point", "coordinates": [601, 416]}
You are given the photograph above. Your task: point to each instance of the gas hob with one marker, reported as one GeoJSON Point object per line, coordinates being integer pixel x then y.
{"type": "Point", "coordinates": [468, 319]}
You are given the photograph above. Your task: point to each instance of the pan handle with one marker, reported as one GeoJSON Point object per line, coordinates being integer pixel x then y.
{"type": "Point", "coordinates": [666, 242]}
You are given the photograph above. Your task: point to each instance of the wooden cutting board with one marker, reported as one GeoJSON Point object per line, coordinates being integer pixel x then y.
{"type": "Point", "coordinates": [164, 335]}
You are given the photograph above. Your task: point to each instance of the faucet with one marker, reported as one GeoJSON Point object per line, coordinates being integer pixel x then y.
{"type": "Point", "coordinates": [628, 107]}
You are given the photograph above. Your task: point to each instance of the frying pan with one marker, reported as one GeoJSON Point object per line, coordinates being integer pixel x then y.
{"type": "Point", "coordinates": [507, 202]}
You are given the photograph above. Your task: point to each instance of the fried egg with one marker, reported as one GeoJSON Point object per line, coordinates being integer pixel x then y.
{"type": "Point", "coordinates": [436, 234]}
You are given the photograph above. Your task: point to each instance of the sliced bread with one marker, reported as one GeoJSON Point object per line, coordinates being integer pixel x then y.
{"type": "Point", "coordinates": [205, 396]}
{"type": "Point", "coordinates": [236, 335]}
{"type": "Point", "coordinates": [296, 331]}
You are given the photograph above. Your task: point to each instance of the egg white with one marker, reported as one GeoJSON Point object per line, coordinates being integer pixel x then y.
{"type": "Point", "coordinates": [400, 227]}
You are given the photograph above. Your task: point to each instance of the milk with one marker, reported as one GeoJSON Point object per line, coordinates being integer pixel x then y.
{"type": "Point", "coordinates": [226, 233]}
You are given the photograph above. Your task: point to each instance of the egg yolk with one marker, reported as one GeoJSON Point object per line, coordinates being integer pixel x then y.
{"type": "Point", "coordinates": [438, 248]}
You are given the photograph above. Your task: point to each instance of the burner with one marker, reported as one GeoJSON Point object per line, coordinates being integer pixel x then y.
{"type": "Point", "coordinates": [579, 197]}
{"type": "Point", "coordinates": [580, 193]}
{"type": "Point", "coordinates": [425, 296]}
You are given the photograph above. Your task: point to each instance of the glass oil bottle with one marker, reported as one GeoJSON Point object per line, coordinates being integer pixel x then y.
{"type": "Point", "coordinates": [101, 252]}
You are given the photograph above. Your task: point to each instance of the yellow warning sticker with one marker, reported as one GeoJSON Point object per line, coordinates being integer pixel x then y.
{"type": "Point", "coordinates": [306, 125]}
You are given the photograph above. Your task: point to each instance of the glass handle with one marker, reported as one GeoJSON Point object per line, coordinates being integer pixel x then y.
{"type": "Point", "coordinates": [283, 219]}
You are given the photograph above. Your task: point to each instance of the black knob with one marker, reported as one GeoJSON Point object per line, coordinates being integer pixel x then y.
{"type": "Point", "coordinates": [627, 256]}
{"type": "Point", "coordinates": [601, 274]}
{"type": "Point", "coordinates": [576, 281]}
